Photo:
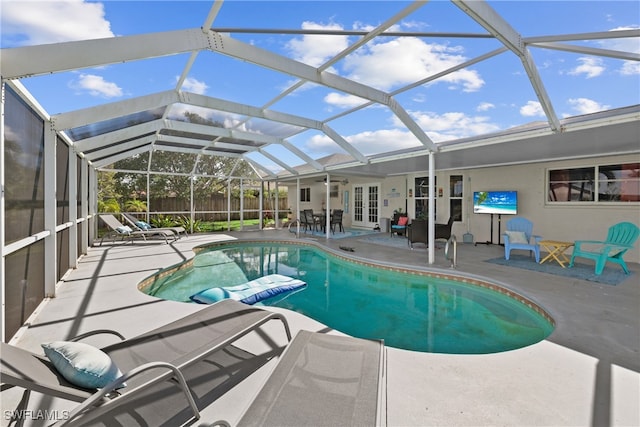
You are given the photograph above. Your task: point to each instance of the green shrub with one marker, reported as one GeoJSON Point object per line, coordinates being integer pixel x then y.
{"type": "Point", "coordinates": [161, 221]}
{"type": "Point", "coordinates": [187, 223]}
{"type": "Point", "coordinates": [109, 205]}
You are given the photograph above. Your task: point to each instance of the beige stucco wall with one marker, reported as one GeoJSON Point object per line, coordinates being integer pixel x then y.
{"type": "Point", "coordinates": [566, 222]}
{"type": "Point", "coordinates": [552, 221]}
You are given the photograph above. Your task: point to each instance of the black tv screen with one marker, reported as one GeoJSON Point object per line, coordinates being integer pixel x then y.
{"type": "Point", "coordinates": [495, 202]}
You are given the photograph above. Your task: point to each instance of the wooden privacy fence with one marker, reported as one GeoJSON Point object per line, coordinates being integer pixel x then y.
{"type": "Point", "coordinates": [215, 207]}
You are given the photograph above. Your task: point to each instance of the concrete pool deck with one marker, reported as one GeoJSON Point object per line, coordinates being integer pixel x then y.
{"type": "Point", "coordinates": [586, 373]}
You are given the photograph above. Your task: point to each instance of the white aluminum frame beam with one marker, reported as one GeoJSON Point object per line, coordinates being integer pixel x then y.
{"type": "Point", "coordinates": [276, 160]}
{"type": "Point", "coordinates": [113, 110]}
{"type": "Point", "coordinates": [243, 109]}
{"type": "Point", "coordinates": [241, 135]}
{"type": "Point", "coordinates": [67, 56]}
{"type": "Point", "coordinates": [175, 149]}
{"type": "Point", "coordinates": [212, 151]}
{"type": "Point", "coordinates": [483, 14]}
{"type": "Point", "coordinates": [108, 138]}
{"type": "Point", "coordinates": [616, 54]}
{"type": "Point", "coordinates": [119, 148]}
{"type": "Point", "coordinates": [228, 46]}
{"type": "Point", "coordinates": [598, 35]}
{"type": "Point", "coordinates": [110, 160]}
{"type": "Point", "coordinates": [259, 168]}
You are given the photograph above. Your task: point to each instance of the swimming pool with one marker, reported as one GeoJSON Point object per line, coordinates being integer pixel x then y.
{"type": "Point", "coordinates": [413, 310]}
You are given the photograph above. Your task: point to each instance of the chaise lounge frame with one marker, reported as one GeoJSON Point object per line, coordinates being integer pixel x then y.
{"type": "Point", "coordinates": [322, 379]}
{"type": "Point", "coordinates": [148, 359]}
{"type": "Point", "coordinates": [131, 220]}
{"type": "Point", "coordinates": [114, 225]}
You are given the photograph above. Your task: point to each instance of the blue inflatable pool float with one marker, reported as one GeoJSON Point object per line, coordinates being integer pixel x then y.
{"type": "Point", "coordinates": [250, 292]}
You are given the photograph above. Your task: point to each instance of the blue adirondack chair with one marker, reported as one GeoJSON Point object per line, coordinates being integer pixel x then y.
{"type": "Point", "coordinates": [620, 239]}
{"type": "Point", "coordinates": [518, 235]}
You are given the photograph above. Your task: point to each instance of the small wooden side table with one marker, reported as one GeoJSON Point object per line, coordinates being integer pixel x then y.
{"type": "Point", "coordinates": [556, 249]}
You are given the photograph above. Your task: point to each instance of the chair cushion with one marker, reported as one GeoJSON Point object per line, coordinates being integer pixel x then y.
{"type": "Point", "coordinates": [517, 237]}
{"type": "Point", "coordinates": [403, 220]}
{"type": "Point", "coordinates": [81, 364]}
{"type": "Point", "coordinates": [143, 225]}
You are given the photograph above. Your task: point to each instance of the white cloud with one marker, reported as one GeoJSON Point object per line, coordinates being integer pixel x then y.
{"type": "Point", "coordinates": [586, 106]}
{"type": "Point", "coordinates": [315, 50]}
{"type": "Point", "coordinates": [369, 142]}
{"type": "Point", "coordinates": [411, 58]}
{"type": "Point", "coordinates": [343, 101]}
{"type": "Point", "coordinates": [320, 144]}
{"type": "Point", "coordinates": [532, 108]}
{"type": "Point", "coordinates": [453, 125]}
{"type": "Point", "coordinates": [382, 141]}
{"type": "Point", "coordinates": [42, 22]}
{"type": "Point", "coordinates": [591, 67]}
{"type": "Point", "coordinates": [195, 86]}
{"type": "Point", "coordinates": [626, 44]}
{"type": "Point", "coordinates": [96, 86]}
{"type": "Point", "coordinates": [630, 68]}
{"type": "Point", "coordinates": [485, 106]}
{"type": "Point", "coordinates": [401, 61]}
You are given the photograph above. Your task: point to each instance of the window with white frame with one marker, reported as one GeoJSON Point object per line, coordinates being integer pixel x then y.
{"type": "Point", "coordinates": [305, 194]}
{"type": "Point", "coordinates": [455, 197]}
{"type": "Point", "coordinates": [602, 184]}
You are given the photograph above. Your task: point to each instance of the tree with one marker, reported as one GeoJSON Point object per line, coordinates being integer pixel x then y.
{"type": "Point", "coordinates": [108, 194]}
{"type": "Point", "coordinates": [135, 205]}
{"type": "Point", "coordinates": [211, 171]}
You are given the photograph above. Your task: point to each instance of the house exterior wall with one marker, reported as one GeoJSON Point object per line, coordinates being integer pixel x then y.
{"type": "Point", "coordinates": [555, 221]}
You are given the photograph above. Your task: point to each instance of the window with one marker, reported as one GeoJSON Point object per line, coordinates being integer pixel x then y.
{"type": "Point", "coordinates": [422, 196]}
{"type": "Point", "coordinates": [604, 183]}
{"type": "Point", "coordinates": [305, 194]}
{"type": "Point", "coordinates": [619, 183]}
{"type": "Point", "coordinates": [455, 197]}
{"type": "Point", "coordinates": [334, 191]}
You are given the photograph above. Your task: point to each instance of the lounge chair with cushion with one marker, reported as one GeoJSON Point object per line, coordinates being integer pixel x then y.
{"type": "Point", "coordinates": [139, 225]}
{"type": "Point", "coordinates": [620, 238]}
{"type": "Point", "coordinates": [159, 368]}
{"type": "Point", "coordinates": [322, 380]}
{"type": "Point", "coordinates": [118, 229]}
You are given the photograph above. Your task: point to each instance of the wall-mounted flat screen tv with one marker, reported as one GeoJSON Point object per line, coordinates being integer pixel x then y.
{"type": "Point", "coordinates": [495, 202]}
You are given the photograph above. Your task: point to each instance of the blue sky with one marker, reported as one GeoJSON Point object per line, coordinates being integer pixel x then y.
{"type": "Point", "coordinates": [490, 96]}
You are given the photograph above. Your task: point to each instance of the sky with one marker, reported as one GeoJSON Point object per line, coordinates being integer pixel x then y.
{"type": "Point", "coordinates": [489, 96]}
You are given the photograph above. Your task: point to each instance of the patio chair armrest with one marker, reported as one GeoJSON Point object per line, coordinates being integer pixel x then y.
{"type": "Point", "coordinates": [113, 386]}
{"type": "Point", "coordinates": [616, 248]}
{"type": "Point", "coordinates": [98, 332]}
{"type": "Point", "coordinates": [536, 239]}
{"type": "Point", "coordinates": [581, 242]}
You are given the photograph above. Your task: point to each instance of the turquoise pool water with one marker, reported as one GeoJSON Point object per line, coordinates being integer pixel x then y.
{"type": "Point", "coordinates": [409, 311]}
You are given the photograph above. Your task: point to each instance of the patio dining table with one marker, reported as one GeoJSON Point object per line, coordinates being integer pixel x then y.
{"type": "Point", "coordinates": [321, 219]}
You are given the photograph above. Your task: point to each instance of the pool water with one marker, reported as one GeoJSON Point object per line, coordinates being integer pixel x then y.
{"type": "Point", "coordinates": [409, 311]}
